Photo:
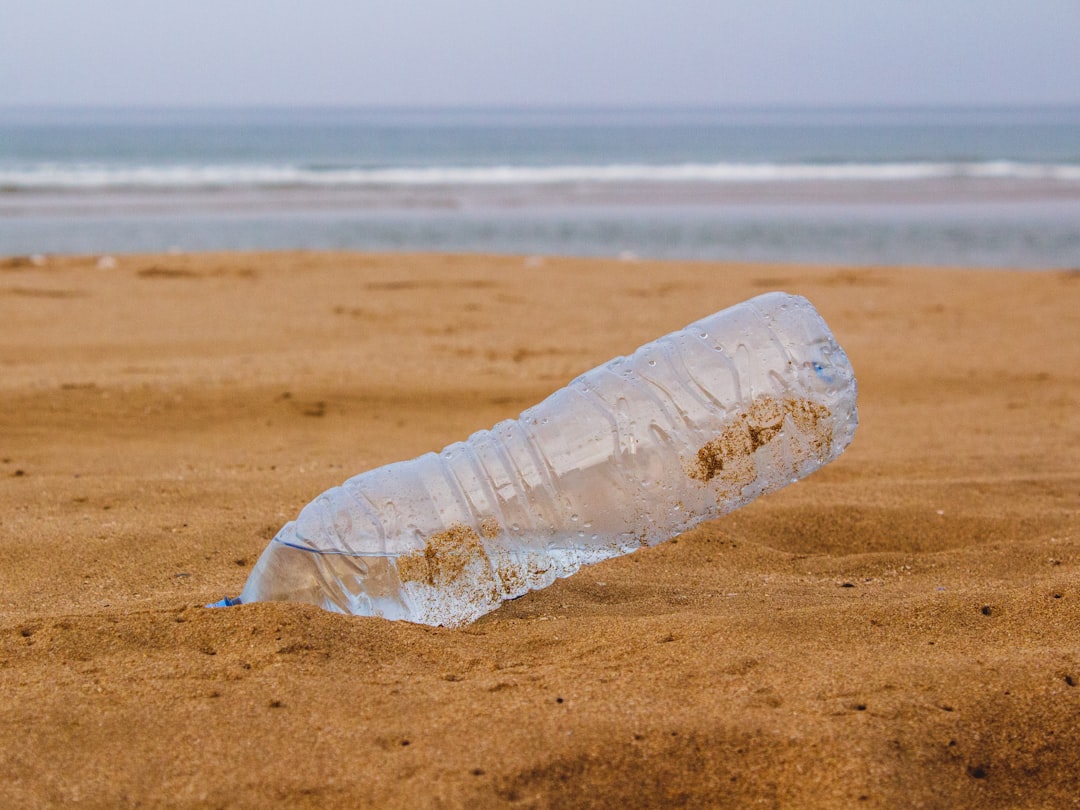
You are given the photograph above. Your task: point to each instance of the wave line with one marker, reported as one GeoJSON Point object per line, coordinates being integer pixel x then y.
{"type": "Point", "coordinates": [57, 176]}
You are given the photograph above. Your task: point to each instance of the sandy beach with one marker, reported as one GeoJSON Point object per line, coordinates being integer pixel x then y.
{"type": "Point", "coordinates": [901, 629]}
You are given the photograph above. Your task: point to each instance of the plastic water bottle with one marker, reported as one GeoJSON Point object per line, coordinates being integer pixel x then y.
{"type": "Point", "coordinates": [632, 453]}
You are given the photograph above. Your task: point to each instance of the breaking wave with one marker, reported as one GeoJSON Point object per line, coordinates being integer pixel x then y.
{"type": "Point", "coordinates": [59, 176]}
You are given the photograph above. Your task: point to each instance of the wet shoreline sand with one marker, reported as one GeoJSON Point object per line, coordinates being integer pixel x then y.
{"type": "Point", "coordinates": [901, 628]}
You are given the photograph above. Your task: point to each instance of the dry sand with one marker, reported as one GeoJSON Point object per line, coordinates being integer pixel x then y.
{"type": "Point", "coordinates": [900, 629]}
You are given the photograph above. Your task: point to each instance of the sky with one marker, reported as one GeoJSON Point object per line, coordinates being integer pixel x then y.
{"type": "Point", "coordinates": [539, 52]}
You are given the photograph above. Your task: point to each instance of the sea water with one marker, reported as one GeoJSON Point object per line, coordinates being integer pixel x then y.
{"type": "Point", "coordinates": [989, 187]}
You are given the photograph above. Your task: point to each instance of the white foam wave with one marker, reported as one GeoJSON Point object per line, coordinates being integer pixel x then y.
{"type": "Point", "coordinates": [55, 176]}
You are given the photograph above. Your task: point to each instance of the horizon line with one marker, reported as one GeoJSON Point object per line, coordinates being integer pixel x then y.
{"type": "Point", "coordinates": [542, 107]}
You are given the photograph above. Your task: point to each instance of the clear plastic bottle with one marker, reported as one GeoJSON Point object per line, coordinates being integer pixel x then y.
{"type": "Point", "coordinates": [632, 453]}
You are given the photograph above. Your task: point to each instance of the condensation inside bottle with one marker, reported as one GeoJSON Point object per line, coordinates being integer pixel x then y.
{"type": "Point", "coordinates": [632, 453]}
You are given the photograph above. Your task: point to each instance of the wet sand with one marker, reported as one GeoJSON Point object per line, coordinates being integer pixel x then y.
{"type": "Point", "coordinates": [900, 629]}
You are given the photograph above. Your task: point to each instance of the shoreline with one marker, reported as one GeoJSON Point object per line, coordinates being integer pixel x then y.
{"type": "Point", "coordinates": [986, 233]}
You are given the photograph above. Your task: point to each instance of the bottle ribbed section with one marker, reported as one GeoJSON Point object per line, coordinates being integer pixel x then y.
{"type": "Point", "coordinates": [685, 429]}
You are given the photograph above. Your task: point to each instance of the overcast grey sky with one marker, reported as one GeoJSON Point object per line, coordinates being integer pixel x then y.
{"type": "Point", "coordinates": [539, 52]}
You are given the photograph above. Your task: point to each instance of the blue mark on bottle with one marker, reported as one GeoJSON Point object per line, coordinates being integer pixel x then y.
{"type": "Point", "coordinates": [822, 371]}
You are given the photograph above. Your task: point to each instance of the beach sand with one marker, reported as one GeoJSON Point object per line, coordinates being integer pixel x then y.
{"type": "Point", "coordinates": [902, 628]}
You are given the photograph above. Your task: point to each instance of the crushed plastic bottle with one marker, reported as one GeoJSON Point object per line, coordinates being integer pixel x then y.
{"type": "Point", "coordinates": [632, 453]}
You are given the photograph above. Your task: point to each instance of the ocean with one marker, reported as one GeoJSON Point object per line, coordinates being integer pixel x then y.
{"type": "Point", "coordinates": [995, 187]}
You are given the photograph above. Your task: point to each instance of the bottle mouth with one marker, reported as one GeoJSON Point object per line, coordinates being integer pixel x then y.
{"type": "Point", "coordinates": [228, 601]}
